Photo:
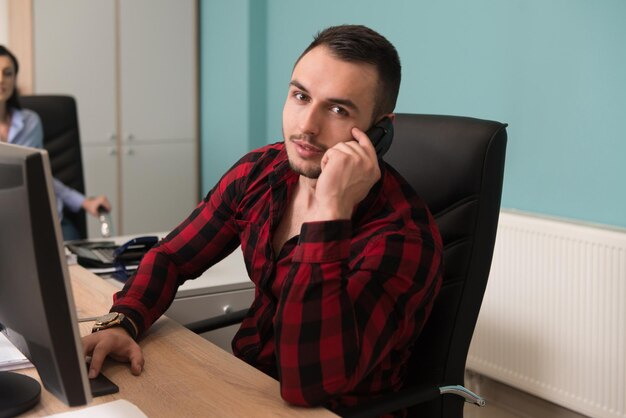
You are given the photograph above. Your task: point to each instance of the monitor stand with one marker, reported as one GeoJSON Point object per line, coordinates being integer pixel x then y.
{"type": "Point", "coordinates": [18, 393]}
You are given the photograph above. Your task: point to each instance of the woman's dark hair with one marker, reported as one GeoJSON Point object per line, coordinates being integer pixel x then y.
{"type": "Point", "coordinates": [357, 43]}
{"type": "Point", "coordinates": [13, 101]}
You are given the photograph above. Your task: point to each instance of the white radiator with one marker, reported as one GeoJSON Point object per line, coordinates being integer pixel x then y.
{"type": "Point", "coordinates": [553, 321]}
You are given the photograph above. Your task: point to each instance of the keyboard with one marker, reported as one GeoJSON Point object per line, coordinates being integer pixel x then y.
{"type": "Point", "coordinates": [106, 255]}
{"type": "Point", "coordinates": [93, 254]}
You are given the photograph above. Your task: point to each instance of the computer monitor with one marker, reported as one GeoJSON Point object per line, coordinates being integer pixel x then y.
{"type": "Point", "coordinates": [36, 305]}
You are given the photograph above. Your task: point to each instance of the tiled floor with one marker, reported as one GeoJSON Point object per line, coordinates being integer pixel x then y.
{"type": "Point", "coordinates": [506, 402]}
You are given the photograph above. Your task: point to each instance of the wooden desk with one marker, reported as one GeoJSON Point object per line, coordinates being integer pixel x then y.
{"type": "Point", "coordinates": [184, 375]}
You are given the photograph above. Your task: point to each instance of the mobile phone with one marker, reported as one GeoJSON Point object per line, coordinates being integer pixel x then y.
{"type": "Point", "coordinates": [381, 135]}
{"type": "Point", "coordinates": [101, 385]}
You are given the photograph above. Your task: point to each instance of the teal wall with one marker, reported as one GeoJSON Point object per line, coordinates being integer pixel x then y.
{"type": "Point", "coordinates": [224, 95]}
{"type": "Point", "coordinates": [555, 70]}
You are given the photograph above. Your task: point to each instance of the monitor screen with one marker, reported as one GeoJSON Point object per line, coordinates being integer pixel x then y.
{"type": "Point", "coordinates": [37, 310]}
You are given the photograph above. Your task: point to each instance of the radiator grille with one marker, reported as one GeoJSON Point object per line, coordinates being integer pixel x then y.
{"type": "Point", "coordinates": [553, 321]}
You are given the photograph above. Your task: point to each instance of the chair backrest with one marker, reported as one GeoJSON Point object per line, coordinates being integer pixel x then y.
{"type": "Point", "coordinates": [456, 165]}
{"type": "Point", "coordinates": [61, 139]}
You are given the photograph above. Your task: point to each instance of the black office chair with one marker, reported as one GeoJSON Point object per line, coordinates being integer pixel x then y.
{"type": "Point", "coordinates": [61, 139]}
{"type": "Point", "coordinates": [457, 165]}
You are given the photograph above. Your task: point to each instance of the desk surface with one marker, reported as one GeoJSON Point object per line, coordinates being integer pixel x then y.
{"type": "Point", "coordinates": [184, 374]}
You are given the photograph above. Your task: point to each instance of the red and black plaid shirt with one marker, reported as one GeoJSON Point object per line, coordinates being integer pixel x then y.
{"type": "Point", "coordinates": [336, 311]}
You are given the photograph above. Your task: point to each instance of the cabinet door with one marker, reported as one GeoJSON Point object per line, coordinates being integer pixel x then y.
{"type": "Point", "coordinates": [100, 169]}
{"type": "Point", "coordinates": [158, 61]}
{"type": "Point", "coordinates": [197, 308]}
{"type": "Point", "coordinates": [74, 54]}
{"type": "Point", "coordinates": [158, 185]}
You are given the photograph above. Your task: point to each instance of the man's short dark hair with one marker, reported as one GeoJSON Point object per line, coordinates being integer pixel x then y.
{"type": "Point", "coordinates": [357, 43]}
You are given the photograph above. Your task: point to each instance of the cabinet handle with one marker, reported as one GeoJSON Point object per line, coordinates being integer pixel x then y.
{"type": "Point", "coordinates": [130, 137]}
{"type": "Point", "coordinates": [130, 151]}
{"type": "Point", "coordinates": [112, 151]}
{"type": "Point", "coordinates": [112, 137]}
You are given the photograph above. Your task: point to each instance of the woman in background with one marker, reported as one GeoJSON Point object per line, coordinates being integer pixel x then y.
{"type": "Point", "coordinates": [23, 127]}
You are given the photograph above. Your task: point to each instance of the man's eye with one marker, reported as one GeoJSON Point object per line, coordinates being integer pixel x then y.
{"type": "Point", "coordinates": [339, 110]}
{"type": "Point", "coordinates": [300, 96]}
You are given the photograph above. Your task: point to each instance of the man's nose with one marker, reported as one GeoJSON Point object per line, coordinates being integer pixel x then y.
{"type": "Point", "coordinates": [310, 121]}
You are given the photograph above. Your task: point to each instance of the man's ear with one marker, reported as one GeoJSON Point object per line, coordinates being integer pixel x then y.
{"type": "Point", "coordinates": [391, 116]}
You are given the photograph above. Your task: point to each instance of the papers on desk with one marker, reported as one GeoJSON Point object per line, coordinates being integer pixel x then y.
{"type": "Point", "coordinates": [120, 408]}
{"type": "Point", "coordinates": [70, 257]}
{"type": "Point", "coordinates": [10, 357]}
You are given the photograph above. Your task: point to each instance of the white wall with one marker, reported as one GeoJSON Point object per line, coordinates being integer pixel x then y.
{"type": "Point", "coordinates": [4, 22]}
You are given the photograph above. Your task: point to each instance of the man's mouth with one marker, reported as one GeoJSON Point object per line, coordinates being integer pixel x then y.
{"type": "Point", "coordinates": [307, 146]}
{"type": "Point", "coordinates": [306, 149]}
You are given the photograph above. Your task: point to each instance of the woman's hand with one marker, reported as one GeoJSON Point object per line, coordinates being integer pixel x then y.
{"type": "Point", "coordinates": [92, 204]}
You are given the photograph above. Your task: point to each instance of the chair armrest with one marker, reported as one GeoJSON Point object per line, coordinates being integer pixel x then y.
{"type": "Point", "coordinates": [217, 322]}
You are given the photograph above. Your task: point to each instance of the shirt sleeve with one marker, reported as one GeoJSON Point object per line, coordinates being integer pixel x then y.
{"type": "Point", "coordinates": [31, 132]}
{"type": "Point", "coordinates": [341, 315]}
{"type": "Point", "coordinates": [72, 199]}
{"type": "Point", "coordinates": [203, 239]}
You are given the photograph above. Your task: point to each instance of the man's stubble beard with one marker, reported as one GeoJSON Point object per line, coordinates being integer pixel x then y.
{"type": "Point", "coordinates": [312, 173]}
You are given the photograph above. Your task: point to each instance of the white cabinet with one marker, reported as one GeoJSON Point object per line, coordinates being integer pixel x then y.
{"type": "Point", "coordinates": [158, 50]}
{"type": "Point", "coordinates": [171, 167]}
{"type": "Point", "coordinates": [74, 52]}
{"type": "Point", "coordinates": [187, 310]}
{"type": "Point", "coordinates": [100, 162]}
{"type": "Point", "coordinates": [133, 68]}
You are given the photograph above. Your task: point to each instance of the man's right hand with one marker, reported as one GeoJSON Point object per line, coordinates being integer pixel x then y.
{"type": "Point", "coordinates": [349, 170]}
{"type": "Point", "coordinates": [115, 343]}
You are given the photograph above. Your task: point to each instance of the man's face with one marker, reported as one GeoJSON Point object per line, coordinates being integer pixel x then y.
{"type": "Point", "coordinates": [327, 98]}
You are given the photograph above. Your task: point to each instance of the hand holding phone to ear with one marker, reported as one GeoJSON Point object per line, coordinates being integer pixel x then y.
{"type": "Point", "coordinates": [381, 135]}
{"type": "Point", "coordinates": [349, 170]}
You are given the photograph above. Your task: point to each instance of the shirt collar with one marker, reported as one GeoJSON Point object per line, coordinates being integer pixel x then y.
{"type": "Point", "coordinates": [282, 171]}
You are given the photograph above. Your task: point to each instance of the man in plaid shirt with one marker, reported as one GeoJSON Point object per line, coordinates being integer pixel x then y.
{"type": "Point", "coordinates": [346, 258]}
